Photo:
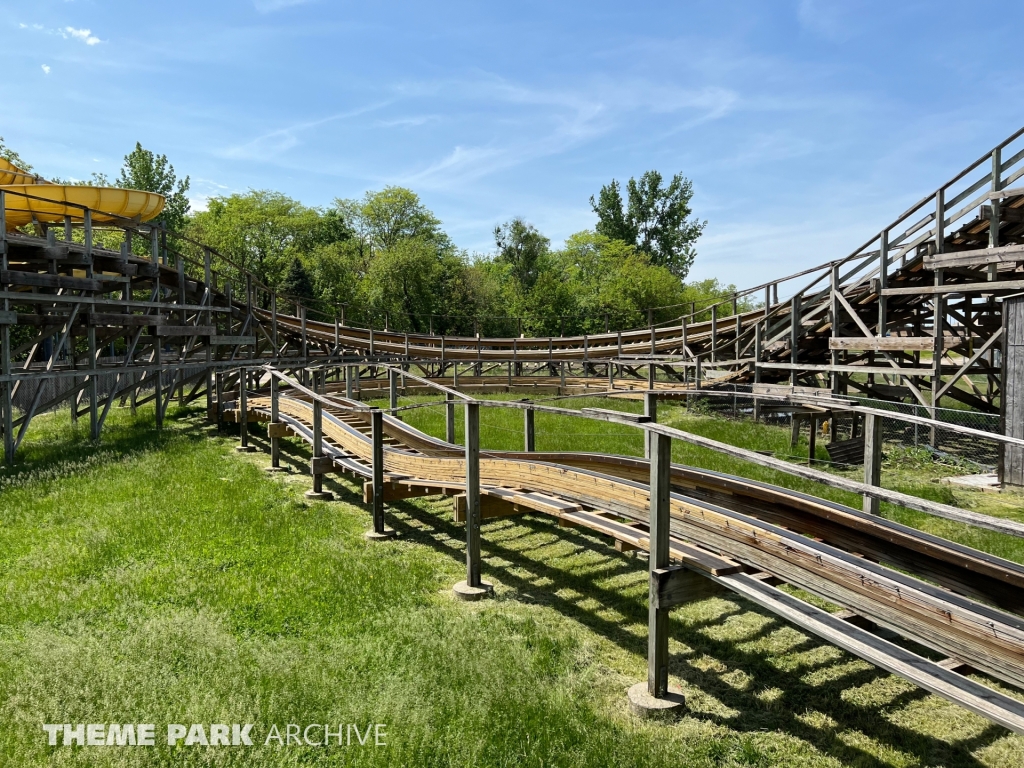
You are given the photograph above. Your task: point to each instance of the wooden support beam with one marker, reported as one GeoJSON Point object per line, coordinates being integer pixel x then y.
{"type": "Point", "coordinates": [529, 433]}
{"type": "Point", "coordinates": [660, 452]}
{"type": "Point", "coordinates": [872, 458]}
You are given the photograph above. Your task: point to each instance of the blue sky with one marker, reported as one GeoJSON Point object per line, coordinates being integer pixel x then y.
{"type": "Point", "coordinates": [805, 125]}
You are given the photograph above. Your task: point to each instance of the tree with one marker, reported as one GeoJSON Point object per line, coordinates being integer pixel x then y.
{"type": "Point", "coordinates": [13, 157]}
{"type": "Point", "coordinates": [296, 283]}
{"type": "Point", "coordinates": [260, 231]}
{"type": "Point", "coordinates": [654, 218]}
{"type": "Point", "coordinates": [521, 247]}
{"type": "Point", "coordinates": [383, 219]}
{"type": "Point", "coordinates": [149, 172]}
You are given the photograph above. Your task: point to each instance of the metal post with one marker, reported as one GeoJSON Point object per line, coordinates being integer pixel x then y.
{"type": "Point", "coordinates": [379, 530]}
{"type": "Point", "coordinates": [473, 588]}
{"type": "Point", "coordinates": [651, 412]}
{"type": "Point", "coordinates": [872, 458]}
{"type": "Point", "coordinates": [449, 418]}
{"type": "Point", "coordinates": [530, 438]}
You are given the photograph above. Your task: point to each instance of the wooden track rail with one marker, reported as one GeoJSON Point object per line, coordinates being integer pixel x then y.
{"type": "Point", "coordinates": [943, 595]}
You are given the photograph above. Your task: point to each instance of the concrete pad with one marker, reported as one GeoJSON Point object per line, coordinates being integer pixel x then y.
{"type": "Point", "coordinates": [642, 704]}
{"type": "Point", "coordinates": [319, 495]}
{"type": "Point", "coordinates": [387, 533]}
{"type": "Point", "coordinates": [463, 591]}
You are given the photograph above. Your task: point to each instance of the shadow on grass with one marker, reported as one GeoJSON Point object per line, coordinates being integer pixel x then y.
{"type": "Point", "coordinates": [511, 553]}
{"type": "Point", "coordinates": [519, 571]}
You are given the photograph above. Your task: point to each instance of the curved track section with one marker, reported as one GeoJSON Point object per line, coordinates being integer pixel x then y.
{"type": "Point", "coordinates": [742, 535]}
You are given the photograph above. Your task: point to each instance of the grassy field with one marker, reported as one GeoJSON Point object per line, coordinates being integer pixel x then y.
{"type": "Point", "coordinates": [164, 578]}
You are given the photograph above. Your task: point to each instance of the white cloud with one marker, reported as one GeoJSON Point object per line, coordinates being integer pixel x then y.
{"type": "Point", "coordinates": [85, 35]}
{"type": "Point", "coordinates": [46, 69]}
{"type": "Point", "coordinates": [269, 6]}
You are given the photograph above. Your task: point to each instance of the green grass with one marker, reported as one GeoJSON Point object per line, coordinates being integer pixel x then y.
{"type": "Point", "coordinates": [162, 577]}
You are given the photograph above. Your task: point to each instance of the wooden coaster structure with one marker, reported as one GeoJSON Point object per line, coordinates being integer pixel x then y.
{"type": "Point", "coordinates": [926, 309]}
{"type": "Point", "coordinates": [706, 532]}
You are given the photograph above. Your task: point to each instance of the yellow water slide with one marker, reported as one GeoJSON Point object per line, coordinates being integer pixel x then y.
{"type": "Point", "coordinates": [33, 198]}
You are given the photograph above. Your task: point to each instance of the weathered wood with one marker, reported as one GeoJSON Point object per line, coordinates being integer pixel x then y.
{"type": "Point", "coordinates": [991, 286]}
{"type": "Point", "coordinates": [878, 344]}
{"type": "Point", "coordinates": [660, 452]}
{"type": "Point", "coordinates": [872, 459]}
{"type": "Point", "coordinates": [976, 257]}
{"type": "Point", "coordinates": [677, 585]}
{"type": "Point", "coordinates": [472, 474]}
{"type": "Point", "coordinates": [33, 279]}
{"type": "Point", "coordinates": [182, 330]}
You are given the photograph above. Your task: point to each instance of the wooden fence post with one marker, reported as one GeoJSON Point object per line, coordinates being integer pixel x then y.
{"type": "Point", "coordinates": [473, 588]}
{"type": "Point", "coordinates": [872, 458]}
{"type": "Point", "coordinates": [243, 412]}
{"type": "Point", "coordinates": [449, 418]}
{"type": "Point", "coordinates": [651, 412]}
{"type": "Point", "coordinates": [655, 697]}
{"type": "Point", "coordinates": [316, 466]}
{"type": "Point", "coordinates": [275, 429]}
{"type": "Point", "coordinates": [379, 530]}
{"type": "Point", "coordinates": [392, 390]}
{"type": "Point", "coordinates": [530, 435]}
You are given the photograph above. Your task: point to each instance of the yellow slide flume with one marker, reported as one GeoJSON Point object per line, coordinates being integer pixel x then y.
{"type": "Point", "coordinates": [50, 203]}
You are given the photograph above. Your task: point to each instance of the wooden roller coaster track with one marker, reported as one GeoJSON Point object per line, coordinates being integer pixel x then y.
{"type": "Point", "coordinates": [929, 309]}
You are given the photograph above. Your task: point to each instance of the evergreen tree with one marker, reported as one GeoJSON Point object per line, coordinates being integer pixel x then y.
{"type": "Point", "coordinates": [297, 283]}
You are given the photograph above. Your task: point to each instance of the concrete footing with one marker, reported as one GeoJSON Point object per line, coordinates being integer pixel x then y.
{"type": "Point", "coordinates": [387, 533]}
{"type": "Point", "coordinates": [463, 591]}
{"type": "Point", "coordinates": [245, 448]}
{"type": "Point", "coordinates": [642, 704]}
{"type": "Point", "coordinates": [319, 495]}
{"type": "Point", "coordinates": [276, 469]}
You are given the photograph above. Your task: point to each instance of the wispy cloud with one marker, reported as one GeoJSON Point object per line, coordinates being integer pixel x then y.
{"type": "Point", "coordinates": [46, 69]}
{"type": "Point", "coordinates": [85, 35]}
{"type": "Point", "coordinates": [280, 140]}
{"type": "Point", "coordinates": [402, 122]}
{"type": "Point", "coordinates": [68, 33]}
{"type": "Point", "coordinates": [269, 6]}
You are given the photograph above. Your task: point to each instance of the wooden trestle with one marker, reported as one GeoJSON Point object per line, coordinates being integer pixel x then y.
{"type": "Point", "coordinates": [915, 313]}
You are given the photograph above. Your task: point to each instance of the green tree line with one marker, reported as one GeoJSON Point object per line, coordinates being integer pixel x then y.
{"type": "Point", "coordinates": [385, 258]}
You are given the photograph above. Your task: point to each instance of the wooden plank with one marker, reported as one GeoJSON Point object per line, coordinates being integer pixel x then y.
{"type": "Point", "coordinates": [883, 343]}
{"type": "Point", "coordinates": [36, 280]}
{"type": "Point", "coordinates": [114, 320]}
{"type": "Point", "coordinates": [993, 286]}
{"type": "Point", "coordinates": [230, 341]}
{"type": "Point", "coordinates": [183, 330]}
{"type": "Point", "coordinates": [975, 258]}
